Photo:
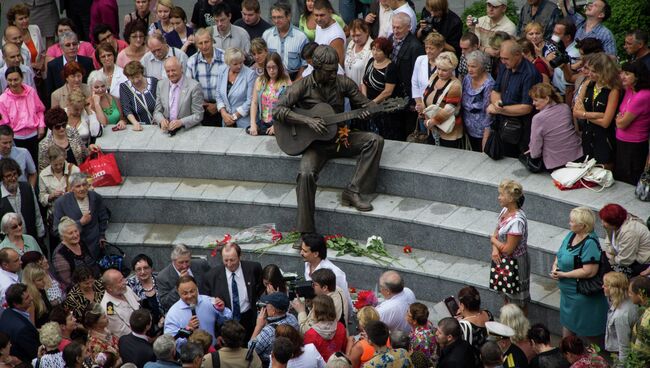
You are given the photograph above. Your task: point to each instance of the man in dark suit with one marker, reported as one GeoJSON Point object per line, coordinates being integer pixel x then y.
{"type": "Point", "coordinates": [135, 347]}
{"type": "Point", "coordinates": [70, 46]}
{"type": "Point", "coordinates": [406, 49]}
{"type": "Point", "coordinates": [14, 192]}
{"type": "Point", "coordinates": [238, 283]}
{"type": "Point", "coordinates": [182, 264]}
{"type": "Point", "coordinates": [15, 322]}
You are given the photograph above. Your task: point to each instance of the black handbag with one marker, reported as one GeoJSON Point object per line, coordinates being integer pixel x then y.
{"type": "Point", "coordinates": [510, 129]}
{"type": "Point", "coordinates": [592, 285]}
{"type": "Point", "coordinates": [534, 165]}
{"type": "Point", "coordinates": [493, 146]}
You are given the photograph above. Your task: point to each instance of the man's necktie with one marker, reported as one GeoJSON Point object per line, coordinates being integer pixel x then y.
{"type": "Point", "coordinates": [235, 299]}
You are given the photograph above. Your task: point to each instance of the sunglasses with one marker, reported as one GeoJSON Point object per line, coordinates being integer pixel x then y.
{"type": "Point", "coordinates": [59, 126]}
{"type": "Point", "coordinates": [16, 226]}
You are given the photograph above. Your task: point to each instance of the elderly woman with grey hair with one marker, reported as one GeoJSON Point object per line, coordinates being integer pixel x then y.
{"type": "Point", "coordinates": [71, 253]}
{"type": "Point", "coordinates": [12, 226]}
{"type": "Point", "coordinates": [235, 86]}
{"type": "Point", "coordinates": [106, 106]}
{"type": "Point", "coordinates": [477, 86]}
{"type": "Point", "coordinates": [87, 209]}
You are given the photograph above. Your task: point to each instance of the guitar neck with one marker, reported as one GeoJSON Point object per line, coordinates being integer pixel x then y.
{"type": "Point", "coordinates": [348, 115]}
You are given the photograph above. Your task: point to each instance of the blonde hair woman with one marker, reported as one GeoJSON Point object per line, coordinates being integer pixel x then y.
{"type": "Point", "coordinates": [50, 337]}
{"type": "Point", "coordinates": [162, 25]}
{"type": "Point", "coordinates": [359, 349]}
{"type": "Point", "coordinates": [38, 281]}
{"type": "Point", "coordinates": [513, 317]}
{"type": "Point", "coordinates": [81, 118]}
{"type": "Point", "coordinates": [582, 315]}
{"type": "Point", "coordinates": [596, 104]}
{"type": "Point", "coordinates": [425, 66]}
{"type": "Point", "coordinates": [510, 239]}
{"type": "Point", "coordinates": [445, 90]}
{"type": "Point", "coordinates": [622, 314]}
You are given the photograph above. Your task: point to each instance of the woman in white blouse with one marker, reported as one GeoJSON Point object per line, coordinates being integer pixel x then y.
{"type": "Point", "coordinates": [106, 56]}
{"type": "Point", "coordinates": [358, 52]}
{"type": "Point", "coordinates": [425, 66]}
{"type": "Point", "coordinates": [54, 180]}
{"type": "Point", "coordinates": [18, 15]}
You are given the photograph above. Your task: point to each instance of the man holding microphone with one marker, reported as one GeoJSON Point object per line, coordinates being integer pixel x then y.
{"type": "Point", "coordinates": [194, 311]}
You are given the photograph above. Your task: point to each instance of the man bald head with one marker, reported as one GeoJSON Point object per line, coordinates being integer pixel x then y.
{"type": "Point", "coordinates": [11, 54]}
{"type": "Point", "coordinates": [14, 35]}
{"type": "Point", "coordinates": [173, 69]}
{"type": "Point", "coordinates": [391, 283]}
{"type": "Point", "coordinates": [511, 54]}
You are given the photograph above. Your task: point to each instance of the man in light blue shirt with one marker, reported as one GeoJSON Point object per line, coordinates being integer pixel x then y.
{"type": "Point", "coordinates": [194, 311]}
{"type": "Point", "coordinates": [591, 25]}
{"type": "Point", "coordinates": [20, 155]}
{"type": "Point", "coordinates": [285, 39]}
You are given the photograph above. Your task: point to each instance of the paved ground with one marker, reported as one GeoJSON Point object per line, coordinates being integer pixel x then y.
{"type": "Point", "coordinates": [127, 5]}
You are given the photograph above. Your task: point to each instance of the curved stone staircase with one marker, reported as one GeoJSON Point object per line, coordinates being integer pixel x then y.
{"type": "Point", "coordinates": [205, 182]}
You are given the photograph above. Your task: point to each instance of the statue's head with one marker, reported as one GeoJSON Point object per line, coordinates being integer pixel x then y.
{"type": "Point", "coordinates": [326, 63]}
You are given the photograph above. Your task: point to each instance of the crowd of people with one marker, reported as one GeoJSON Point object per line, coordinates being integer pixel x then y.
{"type": "Point", "coordinates": [549, 86]}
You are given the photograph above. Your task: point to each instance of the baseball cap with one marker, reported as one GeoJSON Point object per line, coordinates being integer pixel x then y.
{"type": "Point", "coordinates": [497, 2]}
{"type": "Point", "coordinates": [278, 300]}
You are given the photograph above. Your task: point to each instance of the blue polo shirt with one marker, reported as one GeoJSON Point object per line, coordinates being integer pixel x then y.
{"type": "Point", "coordinates": [24, 160]}
{"type": "Point", "coordinates": [517, 83]}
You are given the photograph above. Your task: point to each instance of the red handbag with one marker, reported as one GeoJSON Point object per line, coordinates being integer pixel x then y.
{"type": "Point", "coordinates": [102, 168]}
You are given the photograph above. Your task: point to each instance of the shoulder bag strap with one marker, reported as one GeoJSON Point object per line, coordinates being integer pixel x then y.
{"type": "Point", "coordinates": [67, 177]}
{"type": "Point", "coordinates": [216, 361]}
{"type": "Point", "coordinates": [141, 101]}
{"type": "Point", "coordinates": [444, 92]}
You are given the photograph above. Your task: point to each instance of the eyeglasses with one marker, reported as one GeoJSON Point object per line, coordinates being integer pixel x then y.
{"type": "Point", "coordinates": [16, 226]}
{"type": "Point", "coordinates": [71, 44]}
{"type": "Point", "coordinates": [10, 175]}
{"type": "Point", "coordinates": [59, 126]}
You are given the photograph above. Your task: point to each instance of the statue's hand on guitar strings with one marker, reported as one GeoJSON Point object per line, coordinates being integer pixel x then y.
{"type": "Point", "coordinates": [316, 124]}
{"type": "Point", "coordinates": [365, 115]}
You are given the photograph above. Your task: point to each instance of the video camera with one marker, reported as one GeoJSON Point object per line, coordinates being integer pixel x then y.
{"type": "Point", "coordinates": [301, 288]}
{"type": "Point", "coordinates": [561, 56]}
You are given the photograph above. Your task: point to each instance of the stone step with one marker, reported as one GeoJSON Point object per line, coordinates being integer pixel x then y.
{"type": "Point", "coordinates": [431, 275]}
{"type": "Point", "coordinates": [423, 172]}
{"type": "Point", "coordinates": [426, 225]}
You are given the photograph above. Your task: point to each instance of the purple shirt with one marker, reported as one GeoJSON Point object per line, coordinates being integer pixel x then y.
{"type": "Point", "coordinates": [553, 136]}
{"type": "Point", "coordinates": [475, 103]}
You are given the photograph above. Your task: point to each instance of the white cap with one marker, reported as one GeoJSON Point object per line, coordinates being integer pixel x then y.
{"type": "Point", "coordinates": [497, 2]}
{"type": "Point", "coordinates": [499, 329]}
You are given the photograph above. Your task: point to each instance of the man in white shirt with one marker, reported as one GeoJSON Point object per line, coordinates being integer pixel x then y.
{"type": "Point", "coordinates": [495, 20]}
{"type": "Point", "coordinates": [119, 302]}
{"type": "Point", "coordinates": [314, 251]}
{"type": "Point", "coordinates": [153, 61]}
{"type": "Point", "coordinates": [397, 301]}
{"type": "Point", "coordinates": [9, 267]}
{"type": "Point", "coordinates": [402, 6]}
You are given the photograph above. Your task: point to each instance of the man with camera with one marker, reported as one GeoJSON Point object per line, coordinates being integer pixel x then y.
{"type": "Point", "coordinates": [194, 311]}
{"type": "Point", "coordinates": [564, 34]}
{"type": "Point", "coordinates": [238, 283]}
{"type": "Point", "coordinates": [272, 312]}
{"type": "Point", "coordinates": [324, 283]}
{"type": "Point", "coordinates": [495, 20]}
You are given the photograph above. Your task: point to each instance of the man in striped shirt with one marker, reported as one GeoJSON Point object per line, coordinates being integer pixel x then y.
{"type": "Point", "coordinates": [285, 39]}
{"type": "Point", "coordinates": [204, 67]}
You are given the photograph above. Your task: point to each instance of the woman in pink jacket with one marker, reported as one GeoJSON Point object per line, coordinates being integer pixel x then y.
{"type": "Point", "coordinates": [23, 111]}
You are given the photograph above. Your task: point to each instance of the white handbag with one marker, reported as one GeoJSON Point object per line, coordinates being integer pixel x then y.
{"type": "Point", "coordinates": [430, 111]}
{"type": "Point", "coordinates": [573, 172]}
{"type": "Point", "coordinates": [599, 175]}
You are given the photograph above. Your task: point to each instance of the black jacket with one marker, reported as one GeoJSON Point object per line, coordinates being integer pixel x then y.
{"type": "Point", "coordinates": [458, 354]}
{"type": "Point", "coordinates": [450, 26]}
{"type": "Point", "coordinates": [22, 334]}
{"type": "Point", "coordinates": [409, 51]}
{"type": "Point", "coordinates": [136, 350]}
{"type": "Point", "coordinates": [28, 207]}
{"type": "Point", "coordinates": [202, 13]}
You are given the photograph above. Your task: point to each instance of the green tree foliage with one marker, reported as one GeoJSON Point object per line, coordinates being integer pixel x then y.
{"type": "Point", "coordinates": [627, 16]}
{"type": "Point", "coordinates": [479, 9]}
